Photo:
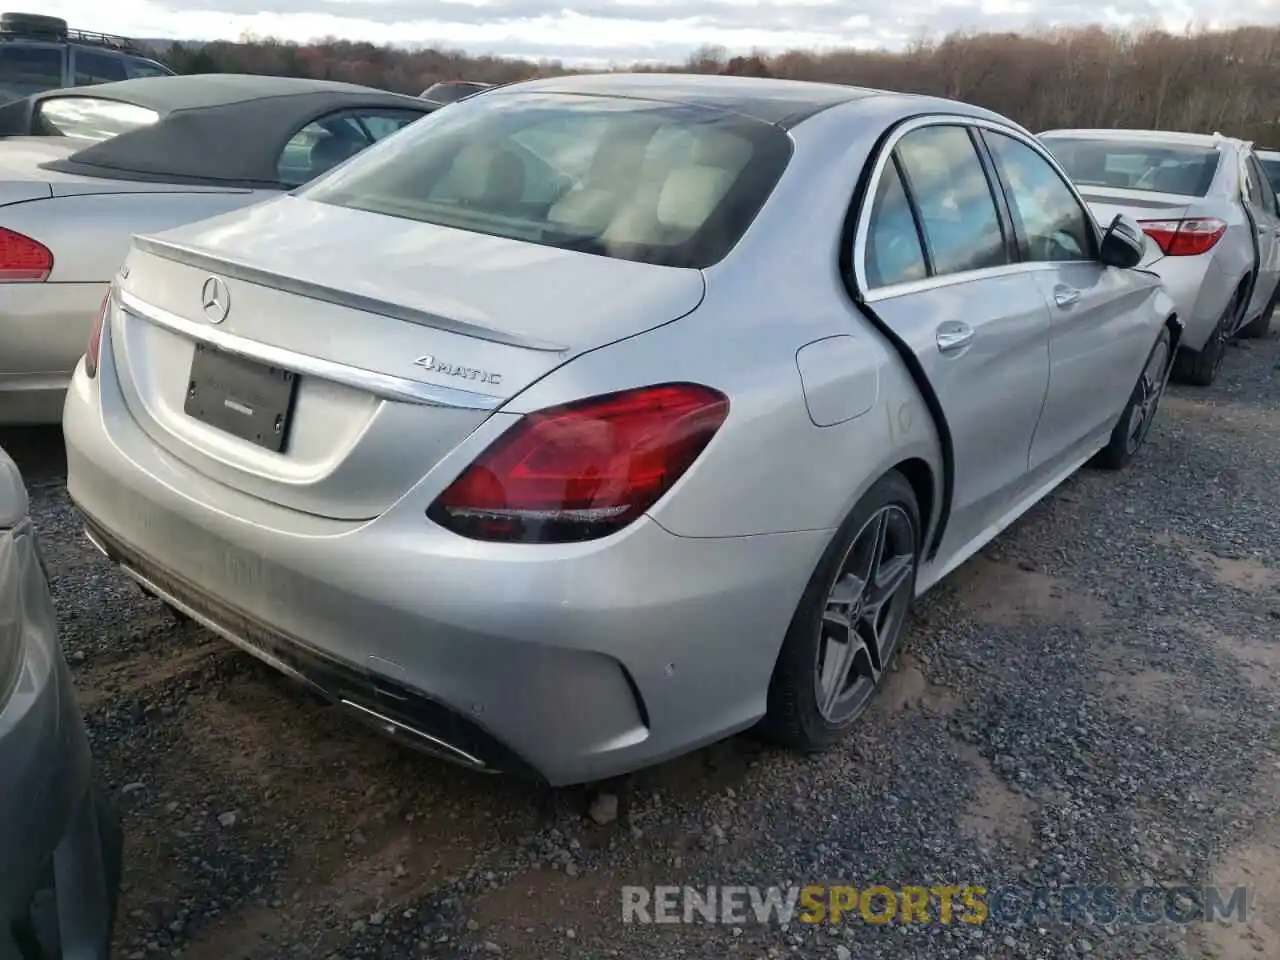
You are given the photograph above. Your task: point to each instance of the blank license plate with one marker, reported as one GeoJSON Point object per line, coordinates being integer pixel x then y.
{"type": "Point", "coordinates": [248, 400]}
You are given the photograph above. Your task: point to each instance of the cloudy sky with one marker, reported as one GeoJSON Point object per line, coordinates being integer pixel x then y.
{"type": "Point", "coordinates": [621, 31]}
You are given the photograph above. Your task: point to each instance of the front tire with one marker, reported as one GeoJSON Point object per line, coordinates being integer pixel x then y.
{"type": "Point", "coordinates": [845, 631]}
{"type": "Point", "coordinates": [1140, 412]}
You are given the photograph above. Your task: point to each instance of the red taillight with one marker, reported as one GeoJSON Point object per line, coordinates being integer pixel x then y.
{"type": "Point", "coordinates": [23, 260]}
{"type": "Point", "coordinates": [95, 337]}
{"type": "Point", "coordinates": [582, 470]}
{"type": "Point", "coordinates": [1185, 238]}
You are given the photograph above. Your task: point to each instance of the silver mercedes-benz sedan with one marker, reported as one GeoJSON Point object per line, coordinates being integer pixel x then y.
{"type": "Point", "coordinates": [567, 461]}
{"type": "Point", "coordinates": [1212, 216]}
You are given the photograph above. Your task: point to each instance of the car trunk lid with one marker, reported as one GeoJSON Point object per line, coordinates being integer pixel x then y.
{"type": "Point", "coordinates": [24, 177]}
{"type": "Point", "coordinates": [1106, 202]}
{"type": "Point", "coordinates": [404, 337]}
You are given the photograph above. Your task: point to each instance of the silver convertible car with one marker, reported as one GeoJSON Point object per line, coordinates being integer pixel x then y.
{"type": "Point", "coordinates": [566, 460]}
{"type": "Point", "coordinates": [83, 169]}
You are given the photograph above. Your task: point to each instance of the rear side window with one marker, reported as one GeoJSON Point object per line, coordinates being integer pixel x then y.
{"type": "Point", "coordinates": [1271, 167]}
{"type": "Point", "coordinates": [1266, 193]}
{"type": "Point", "coordinates": [94, 67]}
{"type": "Point", "coordinates": [894, 254]}
{"type": "Point", "coordinates": [323, 144]}
{"type": "Point", "coordinates": [90, 118]}
{"type": "Point", "coordinates": [25, 70]}
{"type": "Point", "coordinates": [1183, 169]}
{"type": "Point", "coordinates": [630, 179]}
{"type": "Point", "coordinates": [953, 198]}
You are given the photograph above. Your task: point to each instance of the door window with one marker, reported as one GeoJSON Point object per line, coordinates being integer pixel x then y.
{"type": "Point", "coordinates": [93, 67]}
{"type": "Point", "coordinates": [953, 198]}
{"type": "Point", "coordinates": [894, 254]}
{"type": "Point", "coordinates": [138, 67]}
{"type": "Point", "coordinates": [25, 70]}
{"type": "Point", "coordinates": [1057, 226]}
{"type": "Point", "coordinates": [1258, 178]}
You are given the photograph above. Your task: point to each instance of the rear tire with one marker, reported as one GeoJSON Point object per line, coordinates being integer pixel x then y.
{"type": "Point", "coordinates": [1201, 369]}
{"type": "Point", "coordinates": [1261, 324]}
{"type": "Point", "coordinates": [1140, 412]}
{"type": "Point", "coordinates": [845, 631]}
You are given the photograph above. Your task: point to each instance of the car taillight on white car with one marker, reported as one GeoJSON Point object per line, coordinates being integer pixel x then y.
{"type": "Point", "coordinates": [95, 337]}
{"type": "Point", "coordinates": [583, 470]}
{"type": "Point", "coordinates": [1184, 238]}
{"type": "Point", "coordinates": [23, 260]}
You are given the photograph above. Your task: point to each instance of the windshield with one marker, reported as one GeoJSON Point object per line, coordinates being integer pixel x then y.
{"type": "Point", "coordinates": [1136, 164]}
{"type": "Point", "coordinates": [90, 118]}
{"type": "Point", "coordinates": [451, 91]}
{"type": "Point", "coordinates": [631, 179]}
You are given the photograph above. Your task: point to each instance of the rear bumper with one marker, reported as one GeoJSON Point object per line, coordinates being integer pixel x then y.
{"type": "Point", "coordinates": [1202, 292]}
{"type": "Point", "coordinates": [43, 331]}
{"type": "Point", "coordinates": [60, 844]}
{"type": "Point", "coordinates": [571, 662]}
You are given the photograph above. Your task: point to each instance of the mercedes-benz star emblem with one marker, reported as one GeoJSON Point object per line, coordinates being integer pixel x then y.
{"type": "Point", "coordinates": [215, 299]}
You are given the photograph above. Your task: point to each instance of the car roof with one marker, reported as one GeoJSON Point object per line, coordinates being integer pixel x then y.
{"type": "Point", "coordinates": [164, 94]}
{"type": "Point", "coordinates": [213, 128]}
{"type": "Point", "coordinates": [1154, 136]}
{"type": "Point", "coordinates": [781, 102]}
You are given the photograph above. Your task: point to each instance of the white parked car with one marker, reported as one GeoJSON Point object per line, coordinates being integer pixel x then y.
{"type": "Point", "coordinates": [1212, 217]}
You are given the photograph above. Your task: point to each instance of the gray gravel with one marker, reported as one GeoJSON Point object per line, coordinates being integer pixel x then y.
{"type": "Point", "coordinates": [1093, 700]}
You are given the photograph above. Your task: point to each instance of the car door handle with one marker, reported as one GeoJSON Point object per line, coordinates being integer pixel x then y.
{"type": "Point", "coordinates": [954, 336]}
{"type": "Point", "coordinates": [1065, 296]}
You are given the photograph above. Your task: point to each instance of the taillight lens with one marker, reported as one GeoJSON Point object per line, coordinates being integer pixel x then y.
{"type": "Point", "coordinates": [95, 337]}
{"type": "Point", "coordinates": [583, 470]}
{"type": "Point", "coordinates": [23, 260]}
{"type": "Point", "coordinates": [1185, 238]}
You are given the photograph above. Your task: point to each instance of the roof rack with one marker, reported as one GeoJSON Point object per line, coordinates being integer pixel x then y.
{"type": "Point", "coordinates": [107, 40]}
{"type": "Point", "coordinates": [28, 26]}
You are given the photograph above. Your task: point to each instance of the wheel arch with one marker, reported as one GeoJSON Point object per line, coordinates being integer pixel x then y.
{"type": "Point", "coordinates": [919, 474]}
{"type": "Point", "coordinates": [1173, 323]}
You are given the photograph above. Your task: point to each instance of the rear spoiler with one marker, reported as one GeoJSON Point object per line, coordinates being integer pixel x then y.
{"type": "Point", "coordinates": [201, 260]}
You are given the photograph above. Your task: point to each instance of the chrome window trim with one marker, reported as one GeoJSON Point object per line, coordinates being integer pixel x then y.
{"type": "Point", "coordinates": [379, 384]}
{"type": "Point", "coordinates": [892, 290]}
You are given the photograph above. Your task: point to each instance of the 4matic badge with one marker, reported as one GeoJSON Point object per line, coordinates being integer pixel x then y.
{"type": "Point", "coordinates": [435, 365]}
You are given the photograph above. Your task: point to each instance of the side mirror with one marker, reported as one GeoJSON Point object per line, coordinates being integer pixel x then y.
{"type": "Point", "coordinates": [1123, 244]}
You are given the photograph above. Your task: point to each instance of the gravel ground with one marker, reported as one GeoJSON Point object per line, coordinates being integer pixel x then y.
{"type": "Point", "coordinates": [1092, 700]}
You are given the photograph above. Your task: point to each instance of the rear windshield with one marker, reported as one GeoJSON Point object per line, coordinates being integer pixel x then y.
{"type": "Point", "coordinates": [92, 119]}
{"type": "Point", "coordinates": [630, 179]}
{"type": "Point", "coordinates": [1137, 164]}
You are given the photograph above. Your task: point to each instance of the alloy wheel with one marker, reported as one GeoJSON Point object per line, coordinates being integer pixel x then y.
{"type": "Point", "coordinates": [1150, 391]}
{"type": "Point", "coordinates": [864, 614]}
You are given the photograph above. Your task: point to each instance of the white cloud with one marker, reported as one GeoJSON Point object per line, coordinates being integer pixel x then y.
{"type": "Point", "coordinates": [616, 30]}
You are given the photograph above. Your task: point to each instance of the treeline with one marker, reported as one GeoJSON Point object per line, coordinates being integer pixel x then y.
{"type": "Point", "coordinates": [1224, 80]}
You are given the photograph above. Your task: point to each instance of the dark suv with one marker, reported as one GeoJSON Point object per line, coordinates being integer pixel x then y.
{"type": "Point", "coordinates": [39, 53]}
